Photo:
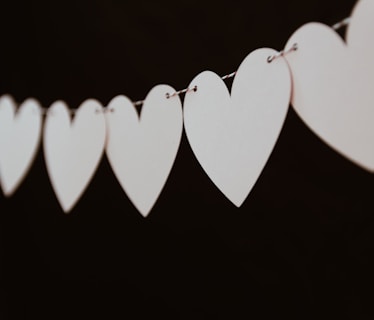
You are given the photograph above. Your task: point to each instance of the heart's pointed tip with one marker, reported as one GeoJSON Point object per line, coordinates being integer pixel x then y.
{"type": "Point", "coordinates": [238, 203]}
{"type": "Point", "coordinates": [144, 214]}
{"type": "Point", "coordinates": [67, 207]}
{"type": "Point", "coordinates": [8, 191]}
{"type": "Point", "coordinates": [144, 211]}
{"type": "Point", "coordinates": [66, 211]}
{"type": "Point", "coordinates": [8, 194]}
{"type": "Point", "coordinates": [236, 199]}
{"type": "Point", "coordinates": [143, 206]}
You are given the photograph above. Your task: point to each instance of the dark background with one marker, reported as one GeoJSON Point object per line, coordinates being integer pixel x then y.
{"type": "Point", "coordinates": [301, 246]}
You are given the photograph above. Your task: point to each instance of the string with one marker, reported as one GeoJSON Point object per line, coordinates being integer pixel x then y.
{"type": "Point", "coordinates": [294, 47]}
{"type": "Point", "coordinates": [343, 23]}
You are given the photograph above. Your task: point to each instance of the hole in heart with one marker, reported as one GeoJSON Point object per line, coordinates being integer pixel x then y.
{"type": "Point", "coordinates": [180, 92]}
{"type": "Point", "coordinates": [47, 112]}
{"type": "Point", "coordinates": [282, 53]}
{"type": "Point", "coordinates": [108, 110]}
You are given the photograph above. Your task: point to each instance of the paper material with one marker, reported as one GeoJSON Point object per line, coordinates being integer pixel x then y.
{"type": "Point", "coordinates": [19, 141]}
{"type": "Point", "coordinates": [232, 137]}
{"type": "Point", "coordinates": [73, 150]}
{"type": "Point", "coordinates": [142, 150]}
{"type": "Point", "coordinates": [333, 84]}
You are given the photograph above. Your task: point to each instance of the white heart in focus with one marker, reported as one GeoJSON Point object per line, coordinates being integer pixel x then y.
{"type": "Point", "coordinates": [20, 133]}
{"type": "Point", "coordinates": [233, 137]}
{"type": "Point", "coordinates": [333, 84]}
{"type": "Point", "coordinates": [142, 150]}
{"type": "Point", "coordinates": [73, 149]}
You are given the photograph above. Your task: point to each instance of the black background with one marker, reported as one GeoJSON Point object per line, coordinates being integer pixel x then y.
{"type": "Point", "coordinates": [299, 247]}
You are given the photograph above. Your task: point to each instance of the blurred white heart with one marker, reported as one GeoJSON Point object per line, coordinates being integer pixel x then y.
{"type": "Point", "coordinates": [333, 84]}
{"type": "Point", "coordinates": [73, 149]}
{"type": "Point", "coordinates": [20, 133]}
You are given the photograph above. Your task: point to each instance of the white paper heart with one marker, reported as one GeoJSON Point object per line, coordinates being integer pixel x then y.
{"type": "Point", "coordinates": [20, 134]}
{"type": "Point", "coordinates": [232, 137]}
{"type": "Point", "coordinates": [333, 84]}
{"type": "Point", "coordinates": [73, 149]}
{"type": "Point", "coordinates": [142, 150]}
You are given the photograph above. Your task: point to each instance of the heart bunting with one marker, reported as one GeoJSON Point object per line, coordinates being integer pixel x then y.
{"type": "Point", "coordinates": [233, 136]}
{"type": "Point", "coordinates": [232, 133]}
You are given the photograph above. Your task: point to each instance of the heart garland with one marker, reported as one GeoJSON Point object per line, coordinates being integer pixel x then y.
{"type": "Point", "coordinates": [232, 136]}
